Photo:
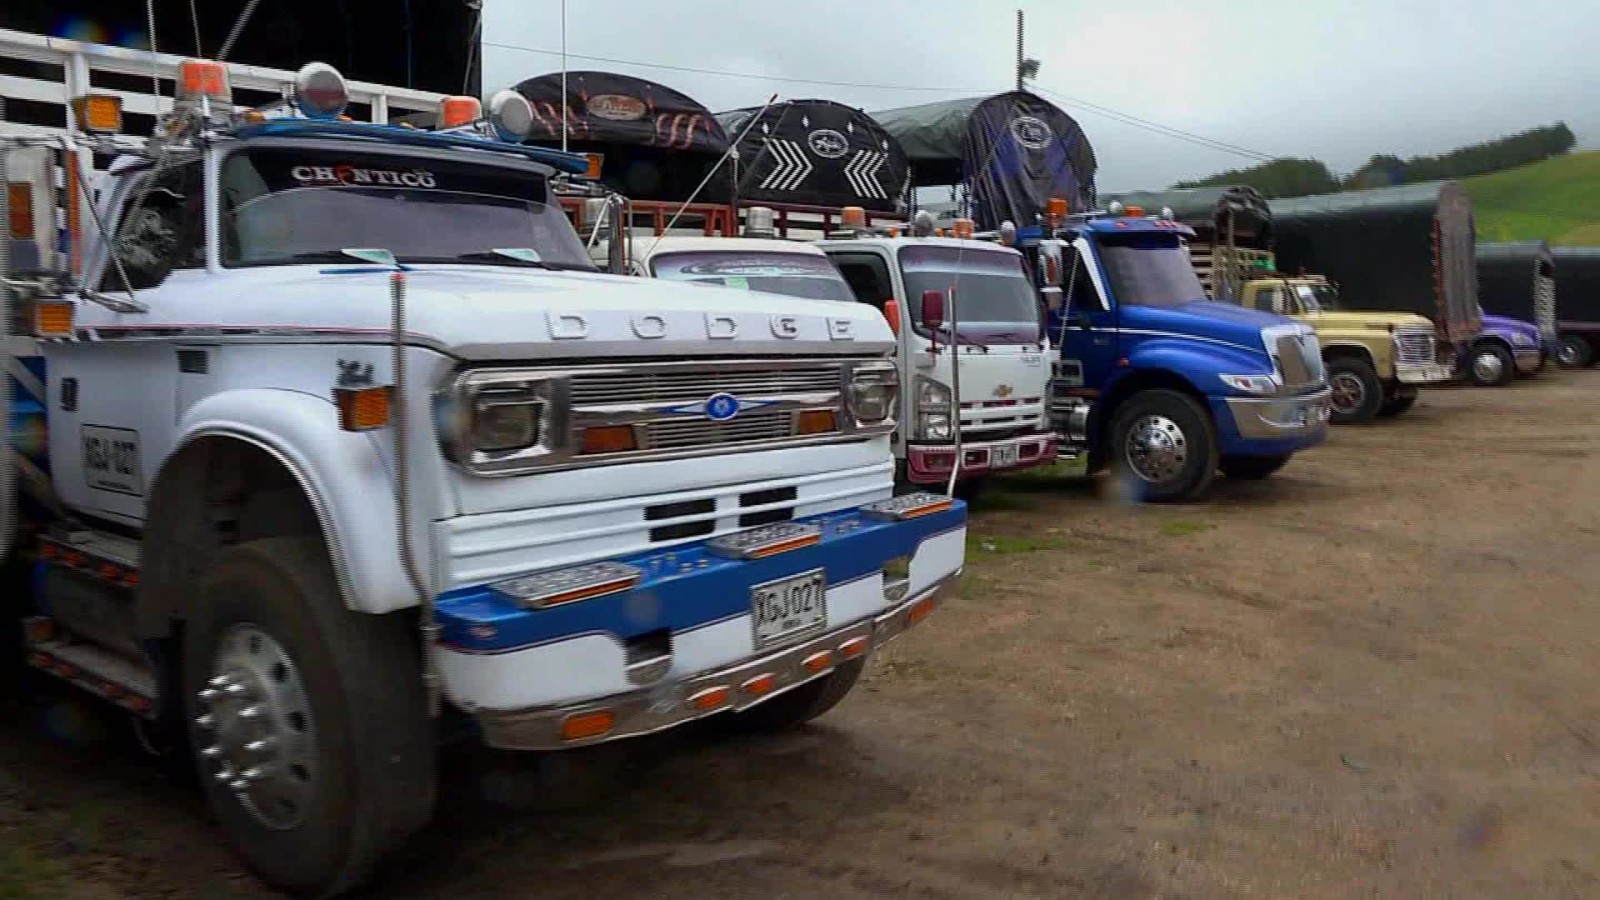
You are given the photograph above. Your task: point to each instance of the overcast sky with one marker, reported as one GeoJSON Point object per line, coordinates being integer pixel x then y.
{"type": "Point", "coordinates": [1337, 80]}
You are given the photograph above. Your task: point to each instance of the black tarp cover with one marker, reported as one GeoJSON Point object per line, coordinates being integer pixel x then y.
{"type": "Point", "coordinates": [1507, 277]}
{"type": "Point", "coordinates": [1012, 152]}
{"type": "Point", "coordinates": [1405, 248]}
{"type": "Point", "coordinates": [816, 152]}
{"type": "Point", "coordinates": [658, 143]}
{"type": "Point", "coordinates": [1206, 210]}
{"type": "Point", "coordinates": [1577, 283]}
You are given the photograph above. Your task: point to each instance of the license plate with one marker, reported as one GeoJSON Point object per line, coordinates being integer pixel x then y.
{"type": "Point", "coordinates": [1003, 456]}
{"type": "Point", "coordinates": [788, 608]}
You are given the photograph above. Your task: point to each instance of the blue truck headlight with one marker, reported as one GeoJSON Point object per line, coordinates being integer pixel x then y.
{"type": "Point", "coordinates": [1251, 384]}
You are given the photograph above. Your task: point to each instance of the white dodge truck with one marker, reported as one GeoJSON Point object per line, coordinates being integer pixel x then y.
{"type": "Point", "coordinates": [321, 428]}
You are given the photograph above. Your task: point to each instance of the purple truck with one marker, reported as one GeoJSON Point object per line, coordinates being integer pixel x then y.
{"type": "Point", "coordinates": [1502, 350]}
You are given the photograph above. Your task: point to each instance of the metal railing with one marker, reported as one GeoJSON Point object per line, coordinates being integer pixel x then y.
{"type": "Point", "coordinates": [80, 62]}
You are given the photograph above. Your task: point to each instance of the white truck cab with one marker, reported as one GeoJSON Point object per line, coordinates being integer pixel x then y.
{"type": "Point", "coordinates": [345, 428]}
{"type": "Point", "coordinates": [951, 299]}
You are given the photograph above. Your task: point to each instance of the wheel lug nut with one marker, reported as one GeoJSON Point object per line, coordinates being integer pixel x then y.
{"type": "Point", "coordinates": [235, 688]}
{"type": "Point", "coordinates": [250, 712]}
{"type": "Point", "coordinates": [221, 681]}
{"type": "Point", "coordinates": [206, 721]}
{"type": "Point", "coordinates": [258, 746]}
{"type": "Point", "coordinates": [224, 775]}
{"type": "Point", "coordinates": [239, 784]}
{"type": "Point", "coordinates": [212, 752]}
{"type": "Point", "coordinates": [209, 694]}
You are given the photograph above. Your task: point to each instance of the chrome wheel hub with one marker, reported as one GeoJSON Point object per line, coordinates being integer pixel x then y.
{"type": "Point", "coordinates": [1156, 448]}
{"type": "Point", "coordinates": [1568, 354]}
{"type": "Point", "coordinates": [1487, 366]}
{"type": "Point", "coordinates": [255, 729]}
{"type": "Point", "coordinates": [1348, 392]}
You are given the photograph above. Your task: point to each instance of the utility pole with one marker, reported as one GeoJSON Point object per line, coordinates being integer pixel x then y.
{"type": "Point", "coordinates": [1021, 60]}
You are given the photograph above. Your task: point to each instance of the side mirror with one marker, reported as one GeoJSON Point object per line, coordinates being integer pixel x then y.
{"type": "Point", "coordinates": [933, 310]}
{"type": "Point", "coordinates": [891, 312]}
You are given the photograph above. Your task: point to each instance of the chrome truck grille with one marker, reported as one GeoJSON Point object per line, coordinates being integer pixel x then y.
{"type": "Point", "coordinates": [1299, 358]}
{"type": "Point", "coordinates": [1544, 305]}
{"type": "Point", "coordinates": [1415, 346]}
{"type": "Point", "coordinates": [627, 412]}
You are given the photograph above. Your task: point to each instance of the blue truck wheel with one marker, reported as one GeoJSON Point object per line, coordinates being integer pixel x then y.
{"type": "Point", "coordinates": [1163, 446]}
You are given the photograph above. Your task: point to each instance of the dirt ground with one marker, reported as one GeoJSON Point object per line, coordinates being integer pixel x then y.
{"type": "Point", "coordinates": [1373, 674]}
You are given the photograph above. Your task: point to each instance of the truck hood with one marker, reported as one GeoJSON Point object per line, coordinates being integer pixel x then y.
{"type": "Point", "coordinates": [1206, 319]}
{"type": "Point", "coordinates": [1508, 326]}
{"type": "Point", "coordinates": [500, 313]}
{"type": "Point", "coordinates": [1377, 321]}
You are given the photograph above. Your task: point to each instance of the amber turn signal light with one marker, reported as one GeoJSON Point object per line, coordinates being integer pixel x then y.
{"type": "Point", "coordinates": [364, 409]}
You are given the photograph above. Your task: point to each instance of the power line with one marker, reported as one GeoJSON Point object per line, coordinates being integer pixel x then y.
{"type": "Point", "coordinates": [727, 74]}
{"type": "Point", "coordinates": [1124, 118]}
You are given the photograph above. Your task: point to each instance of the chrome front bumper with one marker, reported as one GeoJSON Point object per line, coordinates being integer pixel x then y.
{"type": "Point", "coordinates": [1423, 373]}
{"type": "Point", "coordinates": [670, 704]}
{"type": "Point", "coordinates": [1276, 418]}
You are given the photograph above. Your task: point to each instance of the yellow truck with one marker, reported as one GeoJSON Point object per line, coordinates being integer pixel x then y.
{"type": "Point", "coordinates": [1375, 360]}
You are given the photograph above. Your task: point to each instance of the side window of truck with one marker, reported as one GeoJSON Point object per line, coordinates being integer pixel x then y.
{"type": "Point", "coordinates": [1077, 284]}
{"type": "Point", "coordinates": [1271, 300]}
{"type": "Point", "coordinates": [164, 232]}
{"type": "Point", "coordinates": [868, 277]}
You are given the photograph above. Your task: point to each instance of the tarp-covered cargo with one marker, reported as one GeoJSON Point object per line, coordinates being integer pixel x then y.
{"type": "Point", "coordinates": [1011, 152]}
{"type": "Point", "coordinates": [816, 153]}
{"type": "Point", "coordinates": [1578, 283]}
{"type": "Point", "coordinates": [1518, 280]}
{"type": "Point", "coordinates": [658, 143]}
{"type": "Point", "coordinates": [1211, 212]}
{"type": "Point", "coordinates": [1401, 248]}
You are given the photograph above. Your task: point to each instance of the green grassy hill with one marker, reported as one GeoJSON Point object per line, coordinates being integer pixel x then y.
{"type": "Point", "coordinates": [1557, 200]}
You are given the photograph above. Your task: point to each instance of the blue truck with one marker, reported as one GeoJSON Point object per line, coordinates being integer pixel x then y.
{"type": "Point", "coordinates": [1154, 381]}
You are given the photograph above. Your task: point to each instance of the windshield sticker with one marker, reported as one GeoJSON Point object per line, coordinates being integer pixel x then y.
{"type": "Point", "coordinates": [346, 174]}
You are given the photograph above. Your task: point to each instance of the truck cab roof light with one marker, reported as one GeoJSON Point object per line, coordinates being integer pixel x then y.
{"type": "Point", "coordinates": [963, 229]}
{"type": "Point", "coordinates": [1114, 208]}
{"type": "Point", "coordinates": [1008, 233]}
{"type": "Point", "coordinates": [596, 162]}
{"type": "Point", "coordinates": [457, 111]}
{"type": "Point", "coordinates": [922, 223]}
{"type": "Point", "coordinates": [98, 113]}
{"type": "Point", "coordinates": [1166, 213]}
{"type": "Point", "coordinates": [510, 115]}
{"type": "Point", "coordinates": [320, 91]}
{"type": "Point", "coordinates": [1056, 208]}
{"type": "Point", "coordinates": [758, 222]}
{"type": "Point", "coordinates": [204, 79]}
{"type": "Point", "coordinates": [1135, 212]}
{"type": "Point", "coordinates": [853, 217]}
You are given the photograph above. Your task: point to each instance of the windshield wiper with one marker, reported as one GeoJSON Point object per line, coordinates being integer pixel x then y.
{"type": "Point", "coordinates": [501, 257]}
{"type": "Point", "coordinates": [322, 256]}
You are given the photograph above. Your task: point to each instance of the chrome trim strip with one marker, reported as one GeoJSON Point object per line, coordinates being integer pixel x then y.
{"type": "Point", "coordinates": [665, 706]}
{"type": "Point", "coordinates": [1252, 425]}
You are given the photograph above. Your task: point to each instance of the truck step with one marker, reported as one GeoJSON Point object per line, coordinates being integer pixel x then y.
{"type": "Point", "coordinates": [98, 671]}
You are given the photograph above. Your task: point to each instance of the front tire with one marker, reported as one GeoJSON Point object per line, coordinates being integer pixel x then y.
{"type": "Point", "coordinates": [1491, 365]}
{"type": "Point", "coordinates": [1253, 468]}
{"type": "Point", "coordinates": [1163, 446]}
{"type": "Point", "coordinates": [1357, 391]}
{"type": "Point", "coordinates": [1575, 352]}
{"type": "Point", "coordinates": [309, 722]}
{"type": "Point", "coordinates": [1396, 405]}
{"type": "Point", "coordinates": [800, 705]}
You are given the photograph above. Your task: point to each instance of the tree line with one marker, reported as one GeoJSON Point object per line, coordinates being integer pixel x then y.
{"type": "Point", "coordinates": [1291, 177]}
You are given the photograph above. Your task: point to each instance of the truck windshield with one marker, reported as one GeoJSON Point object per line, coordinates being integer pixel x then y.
{"type": "Point", "coordinates": [288, 205]}
{"type": "Point", "coordinates": [1149, 270]}
{"type": "Point", "coordinates": [791, 274]}
{"type": "Point", "coordinates": [994, 298]}
{"type": "Point", "coordinates": [1317, 297]}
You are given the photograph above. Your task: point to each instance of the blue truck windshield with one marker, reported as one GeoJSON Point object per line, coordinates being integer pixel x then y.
{"type": "Point", "coordinates": [287, 205]}
{"type": "Point", "coordinates": [1149, 270]}
{"type": "Point", "coordinates": [995, 300]}
{"type": "Point", "coordinates": [791, 274]}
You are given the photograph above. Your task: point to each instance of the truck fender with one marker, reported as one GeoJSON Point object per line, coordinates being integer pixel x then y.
{"type": "Point", "coordinates": [1336, 348]}
{"type": "Point", "coordinates": [343, 476]}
